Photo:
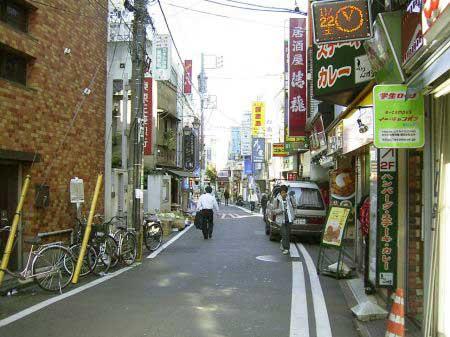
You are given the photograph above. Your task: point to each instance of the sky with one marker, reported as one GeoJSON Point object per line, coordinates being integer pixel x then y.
{"type": "Point", "coordinates": [251, 44]}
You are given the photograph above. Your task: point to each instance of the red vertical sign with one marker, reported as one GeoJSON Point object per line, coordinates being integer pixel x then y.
{"type": "Point", "coordinates": [187, 76]}
{"type": "Point", "coordinates": [297, 78]}
{"type": "Point", "coordinates": [148, 115]}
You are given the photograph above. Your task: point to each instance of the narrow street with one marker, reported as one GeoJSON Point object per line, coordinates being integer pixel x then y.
{"type": "Point", "coordinates": [236, 284]}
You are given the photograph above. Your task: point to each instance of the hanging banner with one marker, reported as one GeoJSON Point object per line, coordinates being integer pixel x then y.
{"type": "Point", "coordinates": [148, 115]}
{"type": "Point", "coordinates": [412, 39]}
{"type": "Point", "coordinates": [258, 150]}
{"type": "Point", "coordinates": [297, 78]}
{"type": "Point", "coordinates": [399, 117]}
{"type": "Point", "coordinates": [387, 224]}
{"type": "Point", "coordinates": [163, 55]}
{"type": "Point", "coordinates": [258, 119]}
{"type": "Point", "coordinates": [187, 77]}
{"type": "Point", "coordinates": [248, 166]}
{"type": "Point", "coordinates": [341, 20]}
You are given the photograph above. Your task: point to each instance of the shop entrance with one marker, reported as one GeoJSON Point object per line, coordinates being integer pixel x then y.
{"type": "Point", "coordinates": [9, 175]}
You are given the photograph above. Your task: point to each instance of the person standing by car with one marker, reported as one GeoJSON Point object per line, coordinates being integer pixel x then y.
{"type": "Point", "coordinates": [226, 195]}
{"type": "Point", "coordinates": [284, 212]}
{"type": "Point", "coordinates": [206, 203]}
{"type": "Point", "coordinates": [264, 200]}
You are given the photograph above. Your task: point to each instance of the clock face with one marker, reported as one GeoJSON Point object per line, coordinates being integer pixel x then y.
{"type": "Point", "coordinates": [349, 19]}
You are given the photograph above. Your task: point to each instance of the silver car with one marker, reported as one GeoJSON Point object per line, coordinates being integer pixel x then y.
{"type": "Point", "coordinates": [310, 211]}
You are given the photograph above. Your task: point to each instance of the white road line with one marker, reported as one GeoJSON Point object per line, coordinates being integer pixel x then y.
{"type": "Point", "coordinates": [299, 305]}
{"type": "Point", "coordinates": [168, 243]}
{"type": "Point", "coordinates": [50, 301]}
{"type": "Point", "coordinates": [223, 215]}
{"type": "Point", "coordinates": [293, 250]}
{"type": "Point", "coordinates": [323, 328]}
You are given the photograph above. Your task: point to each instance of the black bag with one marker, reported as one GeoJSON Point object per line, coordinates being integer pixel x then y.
{"type": "Point", "coordinates": [199, 220]}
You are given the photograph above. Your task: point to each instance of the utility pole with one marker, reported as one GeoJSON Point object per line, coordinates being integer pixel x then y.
{"type": "Point", "coordinates": [135, 146]}
{"type": "Point", "coordinates": [202, 88]}
{"type": "Point", "coordinates": [124, 151]}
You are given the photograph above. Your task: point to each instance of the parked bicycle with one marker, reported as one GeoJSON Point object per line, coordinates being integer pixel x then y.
{"type": "Point", "coordinates": [153, 231]}
{"type": "Point", "coordinates": [50, 265]}
{"type": "Point", "coordinates": [126, 242]}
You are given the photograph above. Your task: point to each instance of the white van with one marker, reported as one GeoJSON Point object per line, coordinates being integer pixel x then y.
{"type": "Point", "coordinates": [310, 211]}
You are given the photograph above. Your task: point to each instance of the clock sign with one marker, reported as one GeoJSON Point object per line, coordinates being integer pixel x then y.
{"type": "Point", "coordinates": [341, 21]}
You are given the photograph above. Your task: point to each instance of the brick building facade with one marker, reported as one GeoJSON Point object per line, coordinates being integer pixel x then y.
{"type": "Point", "coordinates": [41, 92]}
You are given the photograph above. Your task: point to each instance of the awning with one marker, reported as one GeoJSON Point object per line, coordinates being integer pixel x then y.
{"type": "Point", "coordinates": [184, 174]}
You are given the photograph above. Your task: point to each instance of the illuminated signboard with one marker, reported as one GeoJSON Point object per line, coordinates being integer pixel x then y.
{"type": "Point", "coordinates": [337, 21]}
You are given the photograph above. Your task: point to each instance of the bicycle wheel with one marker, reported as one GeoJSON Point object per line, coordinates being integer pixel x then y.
{"type": "Point", "coordinates": [128, 248]}
{"type": "Point", "coordinates": [113, 243]}
{"type": "Point", "coordinates": [106, 250]}
{"type": "Point", "coordinates": [49, 270]}
{"type": "Point", "coordinates": [88, 262]}
{"type": "Point", "coordinates": [153, 236]}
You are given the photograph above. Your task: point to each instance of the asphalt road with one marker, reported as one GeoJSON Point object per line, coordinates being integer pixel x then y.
{"type": "Point", "coordinates": [236, 284]}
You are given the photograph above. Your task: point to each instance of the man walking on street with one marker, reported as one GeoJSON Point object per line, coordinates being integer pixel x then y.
{"type": "Point", "coordinates": [284, 217]}
{"type": "Point", "coordinates": [253, 200]}
{"type": "Point", "coordinates": [206, 203]}
{"type": "Point", "coordinates": [226, 195]}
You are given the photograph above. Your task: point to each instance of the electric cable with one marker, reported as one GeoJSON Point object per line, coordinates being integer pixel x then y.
{"type": "Point", "coordinates": [260, 6]}
{"type": "Point", "coordinates": [257, 9]}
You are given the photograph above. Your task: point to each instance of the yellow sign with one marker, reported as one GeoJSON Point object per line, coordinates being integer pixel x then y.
{"type": "Point", "coordinates": [335, 226]}
{"type": "Point", "coordinates": [278, 150]}
{"type": "Point", "coordinates": [258, 119]}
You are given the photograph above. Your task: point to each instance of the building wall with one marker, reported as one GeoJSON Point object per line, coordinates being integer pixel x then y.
{"type": "Point", "coordinates": [36, 117]}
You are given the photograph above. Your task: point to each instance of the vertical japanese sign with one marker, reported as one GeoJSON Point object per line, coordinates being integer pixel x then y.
{"type": "Point", "coordinates": [148, 115]}
{"type": "Point", "coordinates": [162, 52]}
{"type": "Point", "coordinates": [187, 77]}
{"type": "Point", "coordinates": [258, 119]}
{"type": "Point", "coordinates": [188, 150]}
{"type": "Point", "coordinates": [258, 150]}
{"type": "Point", "coordinates": [297, 78]}
{"type": "Point", "coordinates": [387, 225]}
{"type": "Point", "coordinates": [248, 167]}
{"type": "Point", "coordinates": [246, 135]}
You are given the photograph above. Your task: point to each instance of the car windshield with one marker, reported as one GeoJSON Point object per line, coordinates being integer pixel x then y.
{"type": "Point", "coordinates": [307, 198]}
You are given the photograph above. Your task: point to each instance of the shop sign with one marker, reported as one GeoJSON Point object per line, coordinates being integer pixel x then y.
{"type": "Point", "coordinates": [258, 119]}
{"type": "Point", "coordinates": [246, 135]}
{"type": "Point", "coordinates": [317, 142]}
{"type": "Point", "coordinates": [148, 115]}
{"type": "Point", "coordinates": [248, 165]}
{"type": "Point", "coordinates": [163, 56]}
{"type": "Point", "coordinates": [340, 67]}
{"type": "Point", "coordinates": [433, 12]}
{"type": "Point", "coordinates": [358, 129]}
{"type": "Point", "coordinates": [292, 176]}
{"type": "Point", "coordinates": [341, 20]}
{"type": "Point", "coordinates": [279, 150]}
{"type": "Point", "coordinates": [335, 139]}
{"type": "Point", "coordinates": [187, 77]}
{"type": "Point", "coordinates": [297, 77]}
{"type": "Point", "coordinates": [384, 50]}
{"type": "Point", "coordinates": [335, 226]}
{"type": "Point", "coordinates": [387, 225]}
{"type": "Point", "coordinates": [188, 150]}
{"type": "Point", "coordinates": [258, 150]}
{"type": "Point", "coordinates": [296, 147]}
{"type": "Point", "coordinates": [399, 117]}
{"type": "Point", "coordinates": [412, 39]}
{"type": "Point", "coordinates": [289, 163]}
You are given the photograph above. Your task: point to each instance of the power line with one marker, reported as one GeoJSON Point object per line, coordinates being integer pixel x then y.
{"type": "Point", "coordinates": [260, 6]}
{"type": "Point", "coordinates": [256, 9]}
{"type": "Point", "coordinates": [225, 16]}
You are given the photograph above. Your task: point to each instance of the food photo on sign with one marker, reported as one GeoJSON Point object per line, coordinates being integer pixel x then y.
{"type": "Point", "coordinates": [342, 186]}
{"type": "Point", "coordinates": [335, 226]}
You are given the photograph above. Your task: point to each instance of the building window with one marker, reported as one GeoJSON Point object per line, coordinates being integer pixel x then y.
{"type": "Point", "coordinates": [13, 66]}
{"type": "Point", "coordinates": [14, 14]}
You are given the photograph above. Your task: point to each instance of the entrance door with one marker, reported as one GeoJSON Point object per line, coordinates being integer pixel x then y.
{"type": "Point", "coordinates": [8, 204]}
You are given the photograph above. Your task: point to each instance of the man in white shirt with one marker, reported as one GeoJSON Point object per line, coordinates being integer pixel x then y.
{"type": "Point", "coordinates": [205, 204]}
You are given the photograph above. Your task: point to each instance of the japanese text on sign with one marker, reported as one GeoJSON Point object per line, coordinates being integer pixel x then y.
{"type": "Point", "coordinates": [297, 78]}
{"type": "Point", "coordinates": [148, 115]}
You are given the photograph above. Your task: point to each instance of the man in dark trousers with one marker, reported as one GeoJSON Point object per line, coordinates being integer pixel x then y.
{"type": "Point", "coordinates": [206, 203]}
{"type": "Point", "coordinates": [226, 195]}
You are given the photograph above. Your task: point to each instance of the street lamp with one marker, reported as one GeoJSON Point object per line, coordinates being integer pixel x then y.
{"type": "Point", "coordinates": [196, 124]}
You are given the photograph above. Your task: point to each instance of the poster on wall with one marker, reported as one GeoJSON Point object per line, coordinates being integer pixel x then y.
{"type": "Point", "coordinates": [387, 222]}
{"type": "Point", "coordinates": [297, 77]}
{"type": "Point", "coordinates": [335, 226]}
{"type": "Point", "coordinates": [399, 117]}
